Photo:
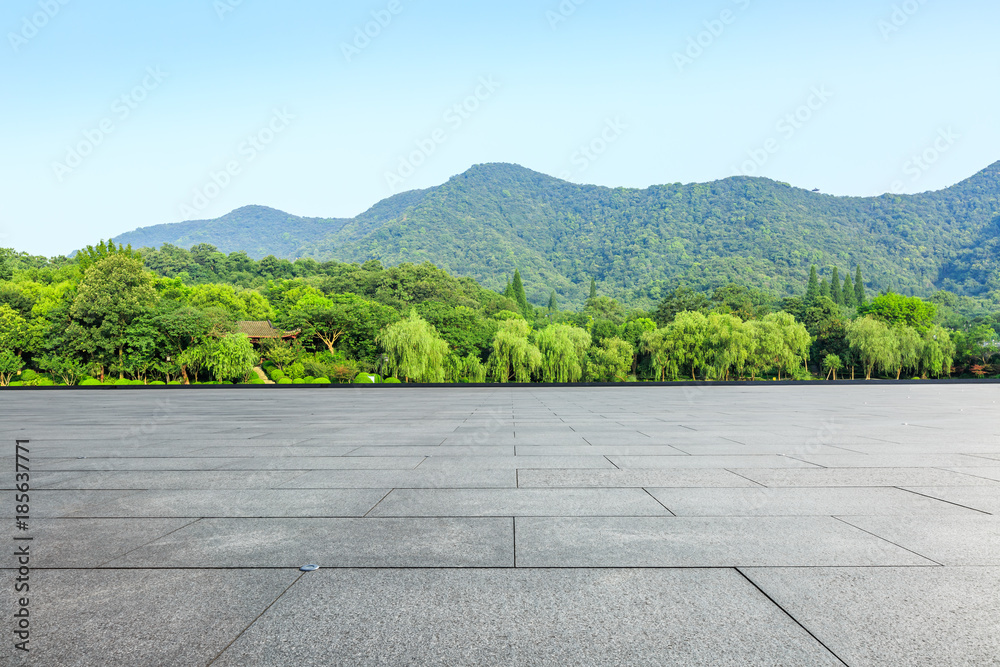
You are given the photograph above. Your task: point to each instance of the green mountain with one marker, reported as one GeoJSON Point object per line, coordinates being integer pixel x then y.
{"type": "Point", "coordinates": [638, 244]}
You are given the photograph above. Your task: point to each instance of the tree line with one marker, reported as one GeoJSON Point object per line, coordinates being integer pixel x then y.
{"type": "Point", "coordinates": [108, 316]}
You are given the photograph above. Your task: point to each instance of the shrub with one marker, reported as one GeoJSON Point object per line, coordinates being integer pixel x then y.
{"type": "Point", "coordinates": [314, 368]}
{"type": "Point", "coordinates": [391, 381]}
{"type": "Point", "coordinates": [256, 381]}
{"type": "Point", "coordinates": [309, 379]}
{"type": "Point", "coordinates": [276, 374]}
{"type": "Point", "coordinates": [28, 376]}
{"type": "Point", "coordinates": [44, 382]}
{"type": "Point", "coordinates": [16, 384]}
{"type": "Point", "coordinates": [157, 383]}
{"type": "Point", "coordinates": [296, 370]}
{"type": "Point", "coordinates": [300, 381]}
{"type": "Point", "coordinates": [123, 382]}
{"type": "Point", "coordinates": [322, 381]}
{"type": "Point", "coordinates": [367, 378]}
{"type": "Point", "coordinates": [286, 381]}
{"type": "Point", "coordinates": [90, 382]}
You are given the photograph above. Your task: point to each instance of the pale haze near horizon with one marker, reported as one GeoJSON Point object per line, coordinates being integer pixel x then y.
{"type": "Point", "coordinates": [124, 117]}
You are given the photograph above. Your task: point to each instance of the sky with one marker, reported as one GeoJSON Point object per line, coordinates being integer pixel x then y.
{"type": "Point", "coordinates": [124, 115]}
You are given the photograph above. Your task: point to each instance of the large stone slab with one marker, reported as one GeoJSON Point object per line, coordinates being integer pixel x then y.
{"type": "Point", "coordinates": [701, 542]}
{"type": "Point", "coordinates": [893, 616]}
{"type": "Point", "coordinates": [142, 617]}
{"type": "Point", "coordinates": [517, 617]}
{"type": "Point", "coordinates": [519, 502]}
{"type": "Point", "coordinates": [801, 502]}
{"type": "Point", "coordinates": [415, 542]}
{"type": "Point", "coordinates": [952, 540]}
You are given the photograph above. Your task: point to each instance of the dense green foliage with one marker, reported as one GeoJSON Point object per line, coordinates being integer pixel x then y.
{"type": "Point", "coordinates": [638, 245]}
{"type": "Point", "coordinates": [108, 317]}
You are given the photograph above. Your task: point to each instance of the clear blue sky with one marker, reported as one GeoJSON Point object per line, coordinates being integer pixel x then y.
{"type": "Point", "coordinates": [329, 125]}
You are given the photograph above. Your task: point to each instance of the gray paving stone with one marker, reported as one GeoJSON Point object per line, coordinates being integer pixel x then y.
{"type": "Point", "coordinates": [519, 502]}
{"type": "Point", "coordinates": [166, 480]}
{"type": "Point", "coordinates": [442, 450]}
{"type": "Point", "coordinates": [514, 462]}
{"type": "Point", "coordinates": [324, 463]}
{"type": "Point", "coordinates": [147, 617]}
{"type": "Point", "coordinates": [893, 616]}
{"type": "Point", "coordinates": [734, 462]}
{"type": "Point", "coordinates": [597, 450]}
{"type": "Point", "coordinates": [132, 463]}
{"type": "Point", "coordinates": [87, 543]}
{"type": "Point", "coordinates": [856, 477]}
{"type": "Point", "coordinates": [239, 503]}
{"type": "Point", "coordinates": [701, 542]}
{"type": "Point", "coordinates": [801, 502]}
{"type": "Point", "coordinates": [412, 542]}
{"type": "Point", "coordinates": [987, 472]}
{"type": "Point", "coordinates": [982, 498]}
{"type": "Point", "coordinates": [896, 460]}
{"type": "Point", "coordinates": [650, 477]}
{"type": "Point", "coordinates": [420, 478]}
{"type": "Point", "coordinates": [518, 617]}
{"type": "Point", "coordinates": [952, 540]}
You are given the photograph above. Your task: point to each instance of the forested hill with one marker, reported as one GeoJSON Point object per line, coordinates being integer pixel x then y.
{"type": "Point", "coordinates": [638, 243]}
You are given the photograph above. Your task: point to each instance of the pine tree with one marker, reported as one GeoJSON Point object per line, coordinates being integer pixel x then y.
{"type": "Point", "coordinates": [859, 288]}
{"type": "Point", "coordinates": [519, 295]}
{"type": "Point", "coordinates": [553, 303]}
{"type": "Point", "coordinates": [850, 300]}
{"type": "Point", "coordinates": [813, 290]}
{"type": "Point", "coordinates": [824, 288]}
{"type": "Point", "coordinates": [593, 288]}
{"type": "Point", "coordinates": [835, 293]}
{"type": "Point", "coordinates": [509, 291]}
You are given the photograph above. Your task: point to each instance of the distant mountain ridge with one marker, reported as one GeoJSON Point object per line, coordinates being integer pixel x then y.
{"type": "Point", "coordinates": [494, 218]}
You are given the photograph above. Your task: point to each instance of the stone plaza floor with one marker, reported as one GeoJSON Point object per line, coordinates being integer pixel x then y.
{"type": "Point", "coordinates": [730, 525]}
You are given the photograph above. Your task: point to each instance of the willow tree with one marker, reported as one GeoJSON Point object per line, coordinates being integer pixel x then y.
{"type": "Point", "coordinates": [874, 343]}
{"type": "Point", "coordinates": [728, 345]}
{"type": "Point", "coordinates": [795, 342]}
{"type": "Point", "coordinates": [232, 358]}
{"type": "Point", "coordinates": [414, 349]}
{"type": "Point", "coordinates": [909, 346]}
{"type": "Point", "coordinates": [611, 361]}
{"type": "Point", "coordinates": [659, 345]}
{"type": "Point", "coordinates": [513, 356]}
{"type": "Point", "coordinates": [564, 351]}
{"type": "Point", "coordinates": [938, 352]}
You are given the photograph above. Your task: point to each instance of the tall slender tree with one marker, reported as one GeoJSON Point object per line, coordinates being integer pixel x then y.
{"type": "Point", "coordinates": [859, 288]}
{"type": "Point", "coordinates": [835, 293]}
{"type": "Point", "coordinates": [824, 288]}
{"type": "Point", "coordinates": [519, 295]}
{"type": "Point", "coordinates": [813, 290]}
{"type": "Point", "coordinates": [850, 299]}
{"type": "Point", "coordinates": [593, 288]}
{"type": "Point", "coordinates": [553, 302]}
